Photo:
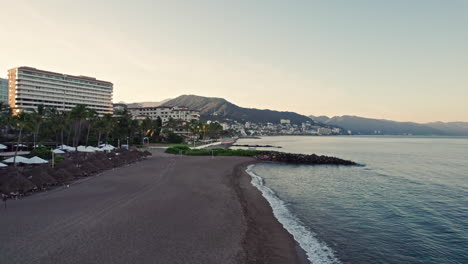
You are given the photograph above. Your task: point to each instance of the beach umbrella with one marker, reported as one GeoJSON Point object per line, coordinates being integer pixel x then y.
{"type": "Point", "coordinates": [107, 146]}
{"type": "Point", "coordinates": [3, 165]}
{"type": "Point", "coordinates": [65, 147]}
{"type": "Point", "coordinates": [36, 160]}
{"type": "Point", "coordinates": [93, 149]}
{"type": "Point", "coordinates": [3, 146]}
{"type": "Point", "coordinates": [98, 149]}
{"type": "Point", "coordinates": [20, 145]}
{"type": "Point", "coordinates": [85, 149]}
{"type": "Point", "coordinates": [19, 159]}
{"type": "Point", "coordinates": [58, 151]}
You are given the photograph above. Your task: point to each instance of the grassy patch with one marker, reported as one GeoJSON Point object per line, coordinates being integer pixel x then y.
{"type": "Point", "coordinates": [177, 149]}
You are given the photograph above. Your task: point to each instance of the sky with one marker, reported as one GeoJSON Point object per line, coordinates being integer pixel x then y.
{"type": "Point", "coordinates": [400, 60]}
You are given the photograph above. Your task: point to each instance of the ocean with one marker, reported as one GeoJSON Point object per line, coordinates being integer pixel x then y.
{"type": "Point", "coordinates": [407, 204]}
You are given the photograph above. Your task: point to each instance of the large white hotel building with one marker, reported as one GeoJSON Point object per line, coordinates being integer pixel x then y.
{"type": "Point", "coordinates": [29, 87]}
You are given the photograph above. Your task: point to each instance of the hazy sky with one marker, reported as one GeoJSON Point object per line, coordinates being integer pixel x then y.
{"type": "Point", "coordinates": [403, 60]}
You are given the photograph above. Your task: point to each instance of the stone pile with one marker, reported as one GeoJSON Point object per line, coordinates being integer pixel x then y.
{"type": "Point", "coordinates": [303, 159]}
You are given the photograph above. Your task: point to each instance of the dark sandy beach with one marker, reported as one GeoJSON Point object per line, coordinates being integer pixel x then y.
{"type": "Point", "coordinates": [166, 209]}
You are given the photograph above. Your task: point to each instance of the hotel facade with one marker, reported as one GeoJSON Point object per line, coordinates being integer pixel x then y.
{"type": "Point", "coordinates": [29, 87]}
{"type": "Point", "coordinates": [165, 113]}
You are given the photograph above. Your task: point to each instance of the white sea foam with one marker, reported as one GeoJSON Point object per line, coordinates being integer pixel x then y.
{"type": "Point", "coordinates": [317, 252]}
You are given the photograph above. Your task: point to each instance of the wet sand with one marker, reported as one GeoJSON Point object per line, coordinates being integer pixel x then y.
{"type": "Point", "coordinates": [166, 209]}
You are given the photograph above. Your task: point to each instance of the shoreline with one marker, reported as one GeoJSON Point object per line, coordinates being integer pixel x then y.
{"type": "Point", "coordinates": [164, 209]}
{"type": "Point", "coordinates": [266, 240]}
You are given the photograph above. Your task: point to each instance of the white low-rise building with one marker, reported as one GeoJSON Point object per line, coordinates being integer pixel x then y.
{"type": "Point", "coordinates": [165, 113]}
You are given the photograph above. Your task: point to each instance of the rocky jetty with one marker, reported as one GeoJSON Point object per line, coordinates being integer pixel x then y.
{"type": "Point", "coordinates": [303, 159]}
{"type": "Point", "coordinates": [256, 146]}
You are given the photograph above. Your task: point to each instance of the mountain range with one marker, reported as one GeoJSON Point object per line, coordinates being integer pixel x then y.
{"type": "Point", "coordinates": [369, 126]}
{"type": "Point", "coordinates": [148, 104]}
{"type": "Point", "coordinates": [212, 108]}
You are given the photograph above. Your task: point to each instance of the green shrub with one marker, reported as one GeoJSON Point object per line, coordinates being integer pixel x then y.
{"type": "Point", "coordinates": [57, 159]}
{"type": "Point", "coordinates": [177, 149]}
{"type": "Point", "coordinates": [174, 138]}
{"type": "Point", "coordinates": [42, 152]}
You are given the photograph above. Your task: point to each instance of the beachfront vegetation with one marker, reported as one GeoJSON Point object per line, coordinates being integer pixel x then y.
{"type": "Point", "coordinates": [42, 152]}
{"type": "Point", "coordinates": [83, 126]}
{"type": "Point", "coordinates": [185, 150]}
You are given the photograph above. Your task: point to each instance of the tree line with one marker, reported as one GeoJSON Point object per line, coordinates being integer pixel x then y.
{"type": "Point", "coordinates": [83, 126]}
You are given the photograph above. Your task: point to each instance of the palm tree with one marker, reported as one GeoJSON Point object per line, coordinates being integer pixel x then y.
{"type": "Point", "coordinates": [36, 118]}
{"type": "Point", "coordinates": [78, 113]}
{"type": "Point", "coordinates": [91, 116]}
{"type": "Point", "coordinates": [107, 124]}
{"type": "Point", "coordinates": [6, 118]}
{"type": "Point", "coordinates": [57, 122]}
{"type": "Point", "coordinates": [21, 121]}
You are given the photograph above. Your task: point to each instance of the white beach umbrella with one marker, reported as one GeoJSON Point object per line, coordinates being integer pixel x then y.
{"type": "Point", "coordinates": [106, 145]}
{"type": "Point", "coordinates": [19, 159]}
{"type": "Point", "coordinates": [91, 149]}
{"type": "Point", "coordinates": [85, 149]}
{"type": "Point", "coordinates": [3, 165]}
{"type": "Point", "coordinates": [36, 160]}
{"type": "Point", "coordinates": [19, 145]}
{"type": "Point", "coordinates": [63, 147]}
{"type": "Point", "coordinates": [106, 149]}
{"type": "Point", "coordinates": [58, 151]}
{"type": "Point", "coordinates": [3, 146]}
{"type": "Point", "coordinates": [98, 149]}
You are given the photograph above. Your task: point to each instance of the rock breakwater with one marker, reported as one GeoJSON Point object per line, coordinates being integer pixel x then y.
{"type": "Point", "coordinates": [303, 159]}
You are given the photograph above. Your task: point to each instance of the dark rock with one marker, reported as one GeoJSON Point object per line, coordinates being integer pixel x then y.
{"type": "Point", "coordinates": [303, 159]}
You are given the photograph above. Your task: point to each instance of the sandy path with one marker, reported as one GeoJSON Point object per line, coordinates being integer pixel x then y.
{"type": "Point", "coordinates": [166, 209]}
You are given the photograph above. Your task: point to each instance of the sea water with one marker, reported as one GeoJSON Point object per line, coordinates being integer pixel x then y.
{"type": "Point", "coordinates": [408, 204]}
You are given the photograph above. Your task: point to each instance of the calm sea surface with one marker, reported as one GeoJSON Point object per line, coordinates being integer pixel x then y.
{"type": "Point", "coordinates": [408, 204]}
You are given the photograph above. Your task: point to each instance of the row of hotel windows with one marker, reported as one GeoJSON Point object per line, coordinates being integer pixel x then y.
{"type": "Point", "coordinates": [36, 101]}
{"type": "Point", "coordinates": [65, 78]}
{"type": "Point", "coordinates": [74, 102]}
{"type": "Point", "coordinates": [48, 92]}
{"type": "Point", "coordinates": [61, 98]}
{"type": "Point", "coordinates": [60, 86]}
{"type": "Point", "coordinates": [28, 78]}
{"type": "Point", "coordinates": [59, 105]}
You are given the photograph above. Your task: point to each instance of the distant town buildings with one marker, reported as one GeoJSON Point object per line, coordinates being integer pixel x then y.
{"type": "Point", "coordinates": [120, 107]}
{"type": "Point", "coordinates": [29, 87]}
{"type": "Point", "coordinates": [281, 128]}
{"type": "Point", "coordinates": [4, 91]}
{"type": "Point", "coordinates": [165, 113]}
{"type": "Point", "coordinates": [285, 121]}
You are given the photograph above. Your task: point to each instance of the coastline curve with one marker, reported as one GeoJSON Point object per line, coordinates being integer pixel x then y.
{"type": "Point", "coordinates": [316, 251]}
